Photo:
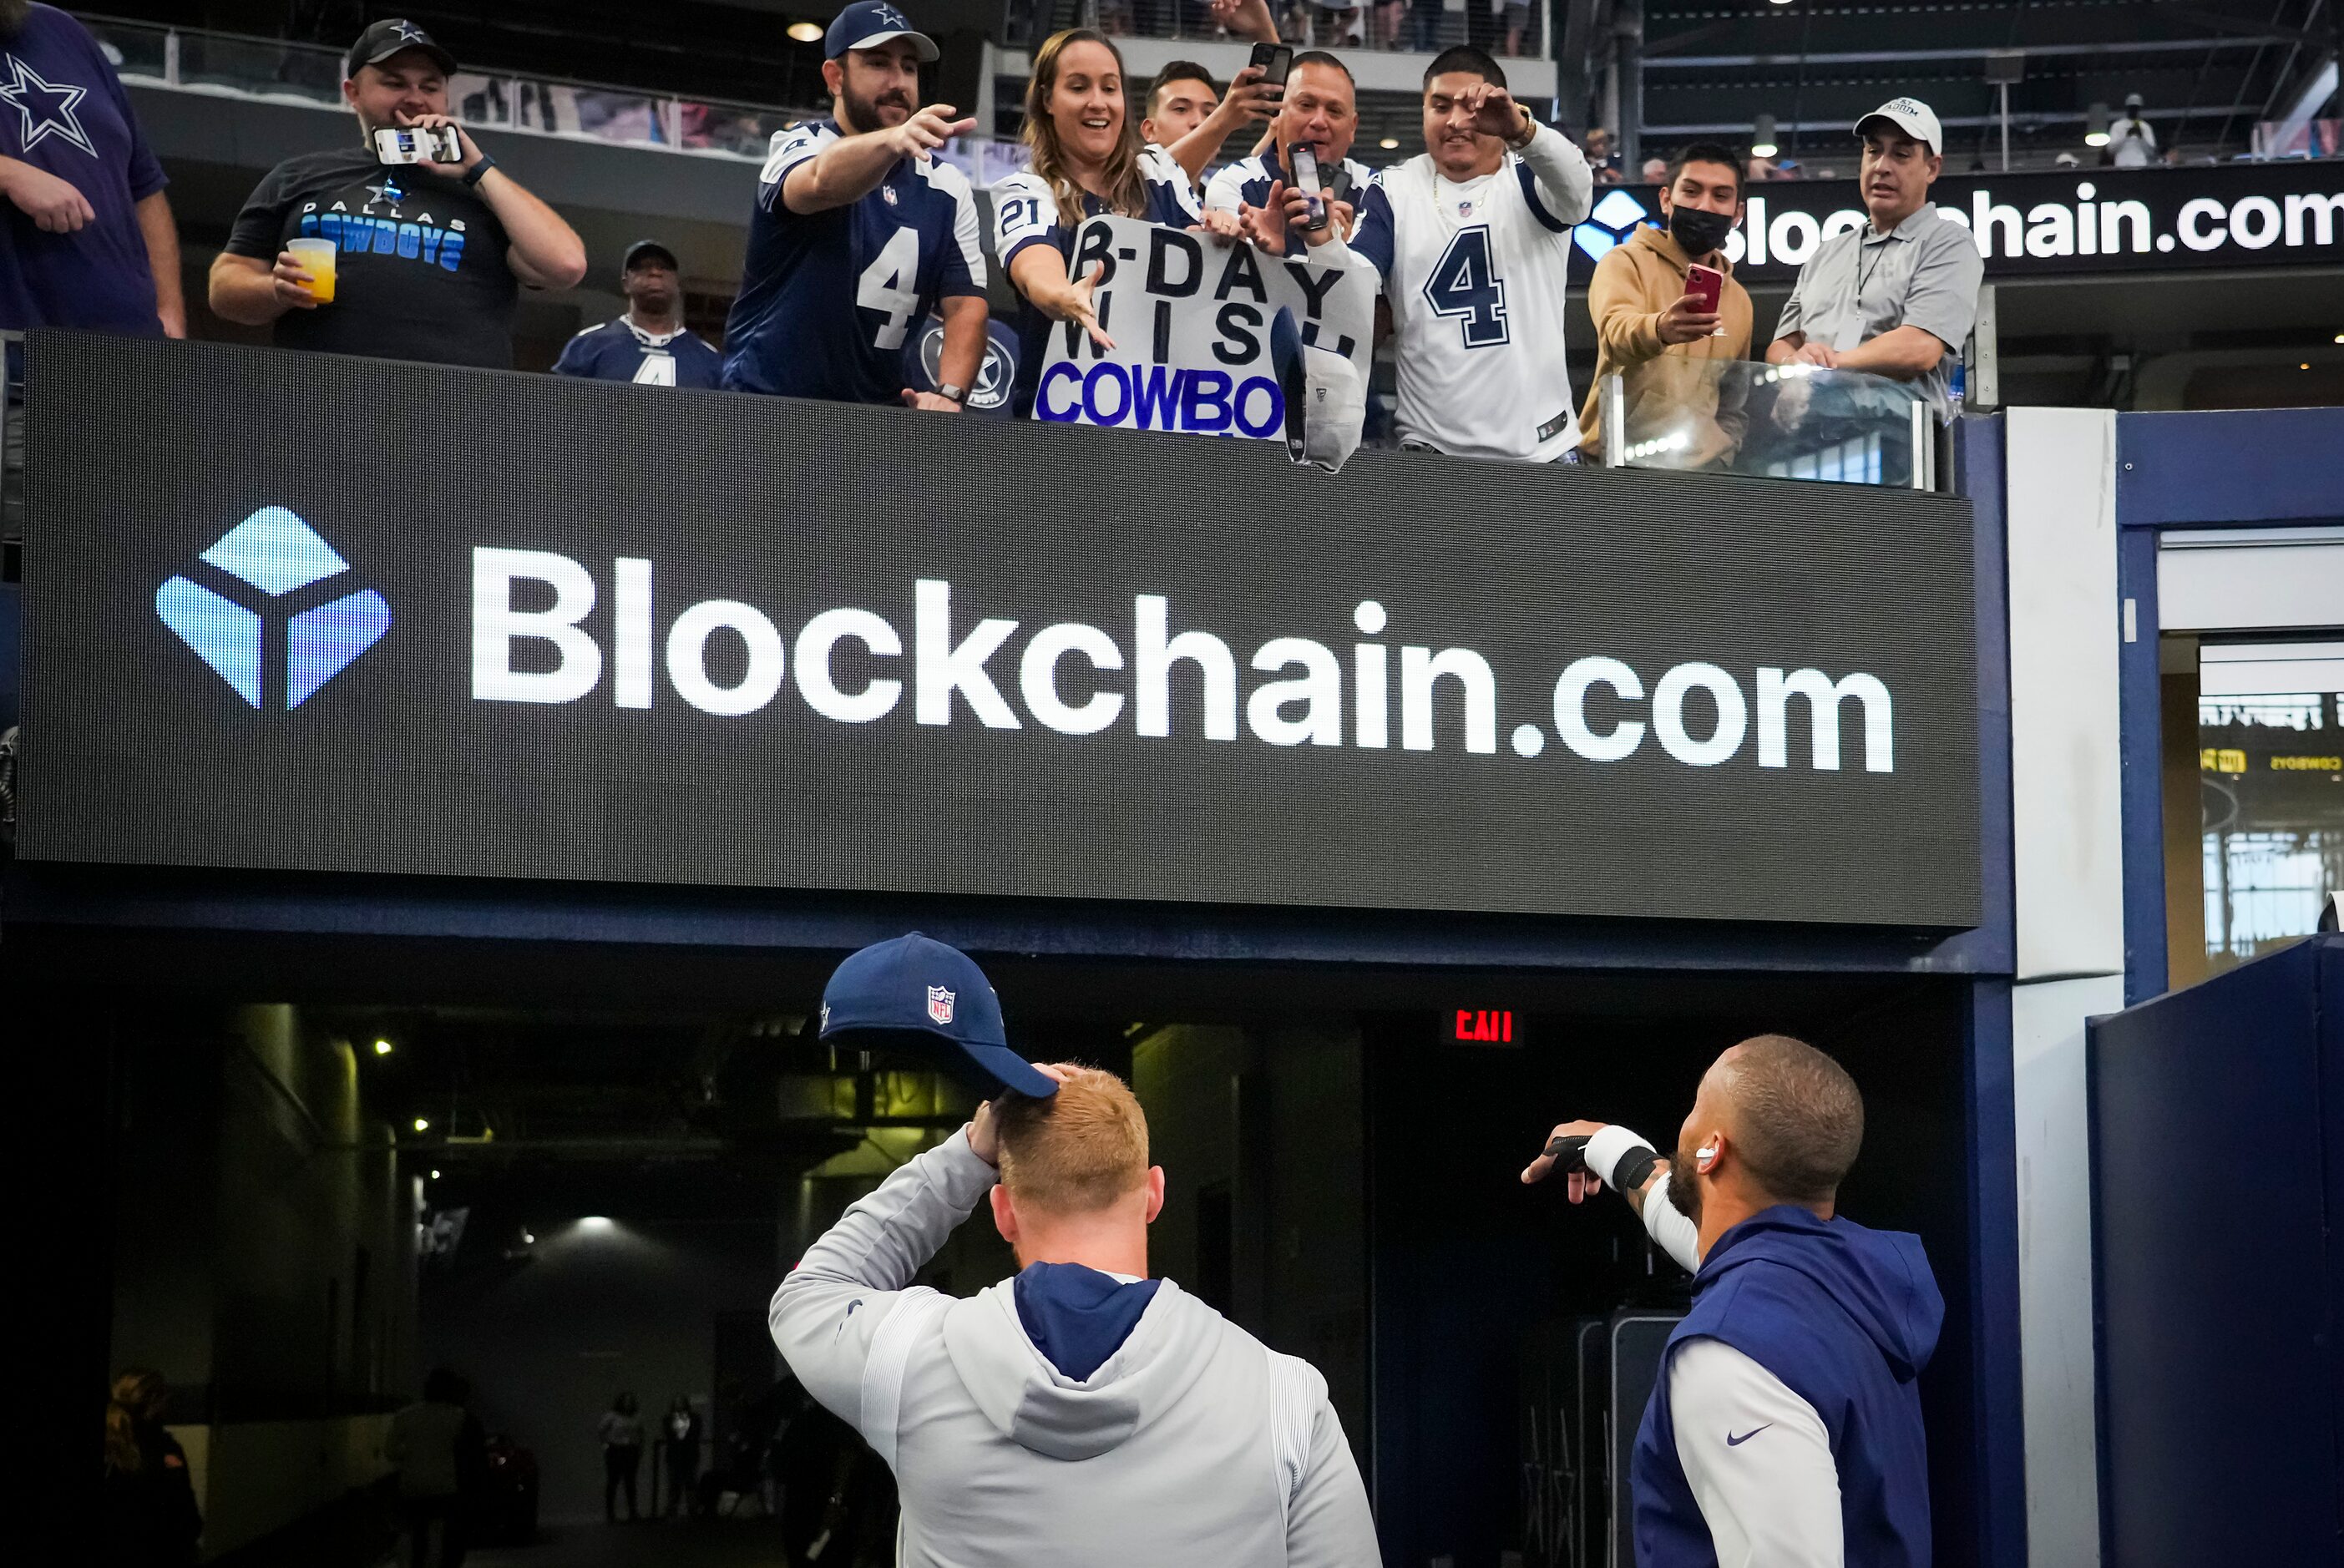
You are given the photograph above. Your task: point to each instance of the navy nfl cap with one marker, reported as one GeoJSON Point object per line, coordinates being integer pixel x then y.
{"type": "Point", "coordinates": [867, 23]}
{"type": "Point", "coordinates": [915, 984]}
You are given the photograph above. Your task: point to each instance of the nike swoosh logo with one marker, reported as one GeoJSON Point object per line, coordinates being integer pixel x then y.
{"type": "Point", "coordinates": [1734, 1441]}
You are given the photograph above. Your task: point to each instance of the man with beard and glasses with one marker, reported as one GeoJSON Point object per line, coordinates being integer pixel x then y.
{"type": "Point", "coordinates": [430, 258]}
{"type": "Point", "coordinates": [649, 345]}
{"type": "Point", "coordinates": [860, 233]}
{"type": "Point", "coordinates": [1658, 338]}
{"type": "Point", "coordinates": [1785, 1426]}
{"type": "Point", "coordinates": [87, 239]}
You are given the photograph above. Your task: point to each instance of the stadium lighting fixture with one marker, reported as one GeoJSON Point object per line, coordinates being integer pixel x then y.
{"type": "Point", "coordinates": [382, 1048]}
{"type": "Point", "coordinates": [1388, 143]}
{"type": "Point", "coordinates": [435, 1176]}
{"type": "Point", "coordinates": [1762, 138]}
{"type": "Point", "coordinates": [423, 1123]}
{"type": "Point", "coordinates": [2096, 126]}
{"type": "Point", "coordinates": [805, 31]}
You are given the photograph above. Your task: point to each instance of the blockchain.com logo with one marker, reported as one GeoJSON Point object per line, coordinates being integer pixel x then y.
{"type": "Point", "coordinates": [1615, 218]}
{"type": "Point", "coordinates": [268, 608]}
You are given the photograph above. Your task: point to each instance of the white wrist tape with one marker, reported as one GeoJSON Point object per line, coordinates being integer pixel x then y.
{"type": "Point", "coordinates": [1605, 1150]}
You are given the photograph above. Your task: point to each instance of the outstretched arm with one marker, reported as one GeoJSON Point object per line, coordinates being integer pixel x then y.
{"type": "Point", "coordinates": [1597, 1155]}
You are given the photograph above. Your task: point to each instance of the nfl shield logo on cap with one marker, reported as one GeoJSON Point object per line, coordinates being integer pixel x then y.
{"type": "Point", "coordinates": [918, 993]}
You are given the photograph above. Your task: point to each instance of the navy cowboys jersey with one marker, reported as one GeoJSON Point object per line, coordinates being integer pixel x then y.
{"type": "Point", "coordinates": [1025, 213]}
{"type": "Point", "coordinates": [1246, 182]}
{"type": "Point", "coordinates": [828, 299]}
{"type": "Point", "coordinates": [622, 351]}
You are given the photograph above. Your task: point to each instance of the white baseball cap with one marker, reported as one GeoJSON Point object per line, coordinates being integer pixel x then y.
{"type": "Point", "coordinates": [1914, 118]}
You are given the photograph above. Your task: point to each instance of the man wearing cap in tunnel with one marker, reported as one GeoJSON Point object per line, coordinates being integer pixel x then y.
{"type": "Point", "coordinates": [649, 345]}
{"type": "Point", "coordinates": [1080, 1413]}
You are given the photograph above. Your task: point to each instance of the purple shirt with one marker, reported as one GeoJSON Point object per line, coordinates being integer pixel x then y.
{"type": "Point", "coordinates": [63, 111]}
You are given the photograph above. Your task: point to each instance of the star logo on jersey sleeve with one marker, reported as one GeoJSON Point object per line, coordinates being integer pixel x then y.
{"type": "Point", "coordinates": [43, 108]}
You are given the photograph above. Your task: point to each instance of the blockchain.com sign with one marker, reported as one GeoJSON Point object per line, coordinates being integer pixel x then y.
{"type": "Point", "coordinates": [2065, 223]}
{"type": "Point", "coordinates": [616, 634]}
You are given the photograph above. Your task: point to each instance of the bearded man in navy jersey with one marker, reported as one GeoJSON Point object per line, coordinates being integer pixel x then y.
{"type": "Point", "coordinates": [860, 233]}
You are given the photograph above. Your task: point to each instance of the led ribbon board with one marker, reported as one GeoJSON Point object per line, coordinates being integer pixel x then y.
{"type": "Point", "coordinates": [608, 633]}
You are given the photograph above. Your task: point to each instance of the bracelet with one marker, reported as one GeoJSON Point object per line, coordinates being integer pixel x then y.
{"type": "Point", "coordinates": [472, 176]}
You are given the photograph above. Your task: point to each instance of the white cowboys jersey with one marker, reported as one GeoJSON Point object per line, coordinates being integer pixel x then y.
{"type": "Point", "coordinates": [1476, 275]}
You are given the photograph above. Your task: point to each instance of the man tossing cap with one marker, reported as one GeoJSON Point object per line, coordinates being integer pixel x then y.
{"type": "Point", "coordinates": [915, 990]}
{"type": "Point", "coordinates": [866, 25]}
{"type": "Point", "coordinates": [393, 36]}
{"type": "Point", "coordinates": [1911, 115]}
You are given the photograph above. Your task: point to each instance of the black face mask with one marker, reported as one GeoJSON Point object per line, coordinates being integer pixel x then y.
{"type": "Point", "coordinates": [1699, 232]}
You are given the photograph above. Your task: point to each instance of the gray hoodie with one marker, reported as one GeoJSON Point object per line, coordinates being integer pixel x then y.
{"type": "Point", "coordinates": [1193, 1443]}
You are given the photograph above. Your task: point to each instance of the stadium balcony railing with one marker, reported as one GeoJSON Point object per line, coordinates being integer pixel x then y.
{"type": "Point", "coordinates": [1407, 26]}
{"type": "Point", "coordinates": [272, 69]}
{"type": "Point", "coordinates": [1771, 422]}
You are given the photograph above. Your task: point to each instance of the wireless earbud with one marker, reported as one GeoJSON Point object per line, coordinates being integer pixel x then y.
{"type": "Point", "coordinates": [1707, 1153]}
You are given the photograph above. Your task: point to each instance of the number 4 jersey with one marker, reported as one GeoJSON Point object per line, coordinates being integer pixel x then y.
{"type": "Point", "coordinates": [828, 299]}
{"type": "Point", "coordinates": [1475, 274]}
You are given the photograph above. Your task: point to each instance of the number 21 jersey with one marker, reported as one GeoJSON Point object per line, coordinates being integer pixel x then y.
{"type": "Point", "coordinates": [1475, 275]}
{"type": "Point", "coordinates": [828, 299]}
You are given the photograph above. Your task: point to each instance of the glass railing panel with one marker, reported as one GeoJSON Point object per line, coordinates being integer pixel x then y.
{"type": "Point", "coordinates": [1773, 422]}
{"type": "Point", "coordinates": [135, 49]}
{"type": "Point", "coordinates": [264, 68]}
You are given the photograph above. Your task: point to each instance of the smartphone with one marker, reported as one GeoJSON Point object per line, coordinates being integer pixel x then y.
{"type": "Point", "coordinates": [1274, 60]}
{"type": "Point", "coordinates": [1304, 162]}
{"type": "Point", "coordinates": [426, 145]}
{"type": "Point", "coordinates": [1706, 284]}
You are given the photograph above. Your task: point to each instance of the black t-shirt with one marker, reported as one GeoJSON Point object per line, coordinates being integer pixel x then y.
{"type": "Point", "coordinates": [420, 273]}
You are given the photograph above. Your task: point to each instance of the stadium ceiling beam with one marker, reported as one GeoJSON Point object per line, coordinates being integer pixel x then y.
{"type": "Point", "coordinates": [2265, 32]}
{"type": "Point", "coordinates": [1655, 61]}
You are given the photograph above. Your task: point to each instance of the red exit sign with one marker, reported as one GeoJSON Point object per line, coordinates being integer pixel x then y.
{"type": "Point", "coordinates": [1483, 1026]}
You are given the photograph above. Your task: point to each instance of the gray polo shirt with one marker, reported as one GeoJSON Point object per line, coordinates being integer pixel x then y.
{"type": "Point", "coordinates": [1860, 283]}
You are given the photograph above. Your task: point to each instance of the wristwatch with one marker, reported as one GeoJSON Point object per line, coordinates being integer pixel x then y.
{"type": "Point", "coordinates": [958, 394]}
{"type": "Point", "coordinates": [1529, 130]}
{"type": "Point", "coordinates": [474, 174]}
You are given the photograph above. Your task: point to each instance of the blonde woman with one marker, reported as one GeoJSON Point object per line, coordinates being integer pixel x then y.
{"type": "Point", "coordinates": [150, 1514]}
{"type": "Point", "coordinates": [1087, 160]}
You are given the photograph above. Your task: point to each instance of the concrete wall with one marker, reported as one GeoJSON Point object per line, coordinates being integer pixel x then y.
{"type": "Point", "coordinates": [264, 1259]}
{"type": "Point", "coordinates": [1275, 1116]}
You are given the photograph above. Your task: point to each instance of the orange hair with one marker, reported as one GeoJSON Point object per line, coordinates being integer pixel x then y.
{"type": "Point", "coordinates": [1077, 1151]}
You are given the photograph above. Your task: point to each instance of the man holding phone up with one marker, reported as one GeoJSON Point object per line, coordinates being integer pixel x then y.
{"type": "Point", "coordinates": [429, 257]}
{"type": "Point", "coordinates": [1320, 112]}
{"type": "Point", "coordinates": [1667, 306]}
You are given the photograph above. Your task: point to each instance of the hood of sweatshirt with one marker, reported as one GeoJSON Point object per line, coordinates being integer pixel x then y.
{"type": "Point", "coordinates": [1140, 1346]}
{"type": "Point", "coordinates": [1881, 1278]}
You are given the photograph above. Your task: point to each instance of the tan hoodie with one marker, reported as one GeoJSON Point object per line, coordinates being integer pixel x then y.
{"type": "Point", "coordinates": [1635, 281]}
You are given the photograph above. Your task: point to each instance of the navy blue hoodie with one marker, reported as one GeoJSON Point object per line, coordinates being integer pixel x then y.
{"type": "Point", "coordinates": [1846, 1318]}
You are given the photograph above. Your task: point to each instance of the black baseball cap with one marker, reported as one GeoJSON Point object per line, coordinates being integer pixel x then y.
{"type": "Point", "coordinates": [914, 988]}
{"type": "Point", "coordinates": [643, 248]}
{"type": "Point", "coordinates": [393, 36]}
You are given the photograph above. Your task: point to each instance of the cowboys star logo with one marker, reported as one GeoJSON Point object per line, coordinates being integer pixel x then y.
{"type": "Point", "coordinates": [45, 108]}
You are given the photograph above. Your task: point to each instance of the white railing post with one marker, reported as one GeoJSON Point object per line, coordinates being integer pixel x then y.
{"type": "Point", "coordinates": [171, 57]}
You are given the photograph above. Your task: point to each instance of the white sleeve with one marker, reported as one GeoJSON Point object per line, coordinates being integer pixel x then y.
{"type": "Point", "coordinates": [827, 1312]}
{"type": "Point", "coordinates": [790, 146]}
{"type": "Point", "coordinates": [1566, 183]}
{"type": "Point", "coordinates": [1671, 1231]}
{"type": "Point", "coordinates": [1024, 213]}
{"type": "Point", "coordinates": [1224, 192]}
{"type": "Point", "coordinates": [1758, 1459]}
